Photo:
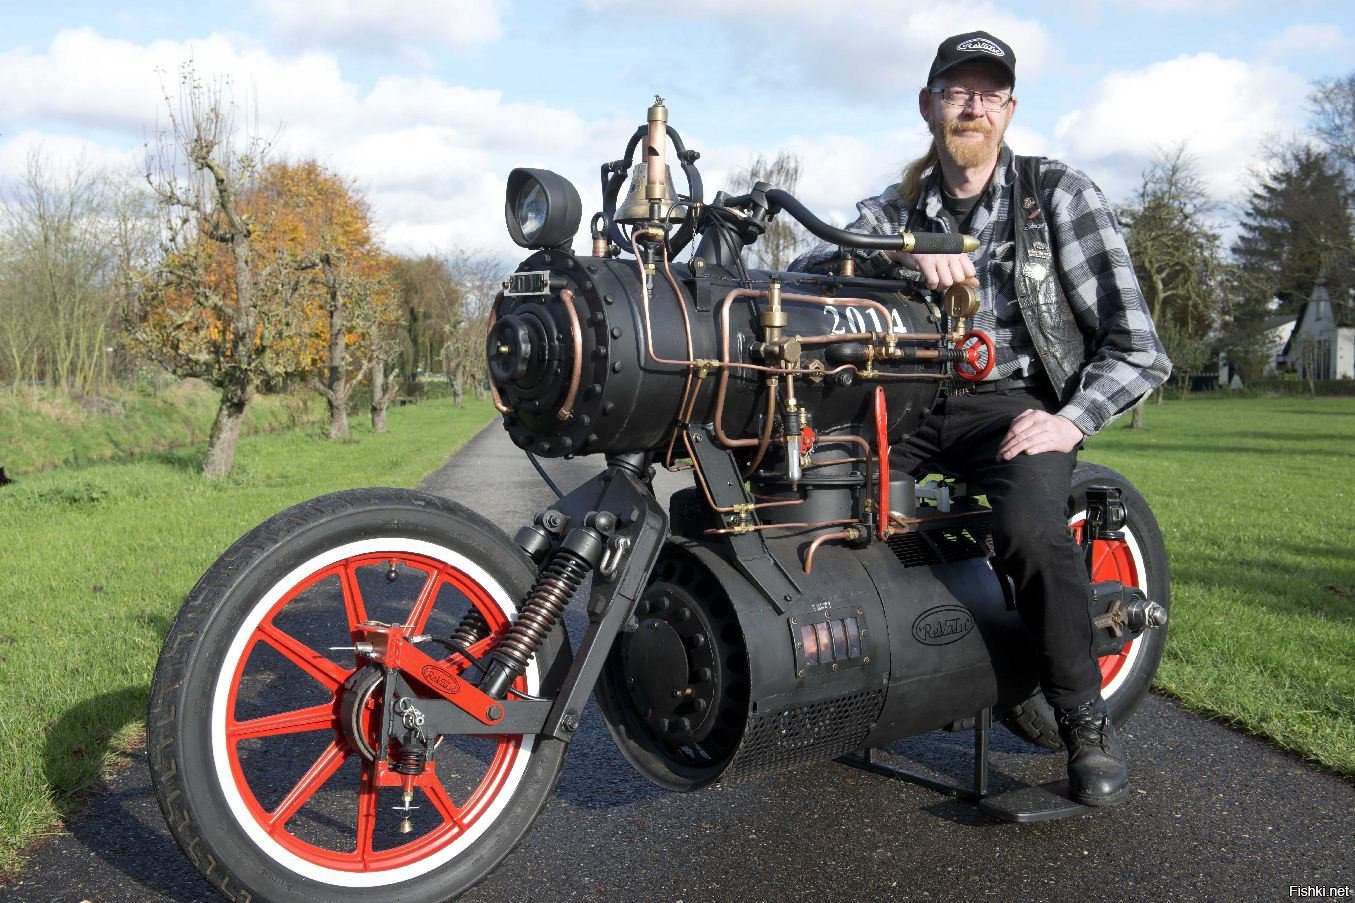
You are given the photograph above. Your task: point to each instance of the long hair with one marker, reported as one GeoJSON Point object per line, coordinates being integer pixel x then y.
{"type": "Point", "coordinates": [912, 173]}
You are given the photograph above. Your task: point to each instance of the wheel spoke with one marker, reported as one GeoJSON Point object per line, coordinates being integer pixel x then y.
{"type": "Point", "coordinates": [315, 777]}
{"type": "Point", "coordinates": [423, 606]}
{"type": "Point", "coordinates": [330, 675]}
{"type": "Point", "coordinates": [314, 718]}
{"type": "Point", "coordinates": [353, 606]}
{"type": "Point", "coordinates": [440, 798]}
{"type": "Point", "coordinates": [368, 793]}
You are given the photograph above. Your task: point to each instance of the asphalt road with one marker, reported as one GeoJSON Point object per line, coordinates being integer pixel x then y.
{"type": "Point", "coordinates": [1214, 814]}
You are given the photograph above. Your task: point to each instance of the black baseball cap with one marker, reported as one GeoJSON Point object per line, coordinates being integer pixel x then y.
{"type": "Point", "coordinates": [974, 46]}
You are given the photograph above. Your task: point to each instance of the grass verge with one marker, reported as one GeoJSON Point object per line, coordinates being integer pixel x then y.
{"type": "Point", "coordinates": [97, 561]}
{"type": "Point", "coordinates": [41, 429]}
{"type": "Point", "coordinates": [1256, 498]}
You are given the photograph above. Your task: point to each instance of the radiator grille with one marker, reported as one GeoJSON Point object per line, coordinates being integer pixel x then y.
{"type": "Point", "coordinates": [949, 542]}
{"type": "Point", "coordinates": [810, 733]}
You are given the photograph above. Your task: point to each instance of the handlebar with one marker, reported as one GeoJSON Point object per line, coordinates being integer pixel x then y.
{"type": "Point", "coordinates": [909, 242]}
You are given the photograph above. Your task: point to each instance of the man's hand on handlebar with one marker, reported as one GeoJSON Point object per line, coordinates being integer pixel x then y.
{"type": "Point", "coordinates": [940, 271]}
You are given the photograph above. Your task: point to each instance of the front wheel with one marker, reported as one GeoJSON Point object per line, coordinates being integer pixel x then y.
{"type": "Point", "coordinates": [265, 737]}
{"type": "Point", "coordinates": [1139, 560]}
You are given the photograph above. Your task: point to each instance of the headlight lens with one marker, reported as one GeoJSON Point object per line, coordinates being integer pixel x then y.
{"type": "Point", "coordinates": [531, 210]}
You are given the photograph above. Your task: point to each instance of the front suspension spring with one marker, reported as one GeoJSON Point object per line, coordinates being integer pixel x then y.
{"type": "Point", "coordinates": [554, 588]}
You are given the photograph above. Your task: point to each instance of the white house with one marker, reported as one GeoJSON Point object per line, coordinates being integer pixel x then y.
{"type": "Point", "coordinates": [1320, 344]}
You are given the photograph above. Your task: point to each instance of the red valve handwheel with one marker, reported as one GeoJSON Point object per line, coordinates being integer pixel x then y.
{"type": "Point", "coordinates": [969, 369]}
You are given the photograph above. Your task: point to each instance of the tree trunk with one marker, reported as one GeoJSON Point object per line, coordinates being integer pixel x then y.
{"type": "Point", "coordinates": [458, 390]}
{"type": "Point", "coordinates": [1136, 420]}
{"type": "Point", "coordinates": [226, 432]}
{"type": "Point", "coordinates": [336, 377]}
{"type": "Point", "coordinates": [379, 399]}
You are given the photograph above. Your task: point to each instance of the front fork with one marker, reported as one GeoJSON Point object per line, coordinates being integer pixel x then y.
{"type": "Point", "coordinates": [611, 528]}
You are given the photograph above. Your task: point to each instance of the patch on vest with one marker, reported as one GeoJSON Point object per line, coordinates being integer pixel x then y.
{"type": "Point", "coordinates": [1035, 271]}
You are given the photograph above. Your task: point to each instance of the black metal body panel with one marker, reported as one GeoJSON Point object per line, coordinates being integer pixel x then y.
{"type": "Point", "coordinates": [627, 402]}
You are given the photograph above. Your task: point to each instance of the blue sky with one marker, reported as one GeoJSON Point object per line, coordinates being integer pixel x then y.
{"type": "Point", "coordinates": [428, 105]}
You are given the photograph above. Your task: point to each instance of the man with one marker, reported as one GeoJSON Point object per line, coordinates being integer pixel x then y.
{"type": "Point", "coordinates": [1079, 351]}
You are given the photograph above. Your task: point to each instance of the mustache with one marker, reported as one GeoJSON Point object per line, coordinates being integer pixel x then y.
{"type": "Point", "coordinates": [958, 127]}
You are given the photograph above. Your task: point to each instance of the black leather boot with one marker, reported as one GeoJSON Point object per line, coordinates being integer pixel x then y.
{"type": "Point", "coordinates": [1098, 773]}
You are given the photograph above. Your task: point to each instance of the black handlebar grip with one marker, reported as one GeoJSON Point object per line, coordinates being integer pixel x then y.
{"type": "Point", "coordinates": [938, 243]}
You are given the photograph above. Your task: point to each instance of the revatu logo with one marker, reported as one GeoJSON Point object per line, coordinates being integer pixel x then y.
{"type": "Point", "coordinates": [981, 45]}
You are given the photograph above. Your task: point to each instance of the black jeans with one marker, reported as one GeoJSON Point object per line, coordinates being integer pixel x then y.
{"type": "Point", "coordinates": [1029, 497]}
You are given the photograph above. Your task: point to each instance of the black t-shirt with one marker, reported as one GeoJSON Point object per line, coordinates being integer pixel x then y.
{"type": "Point", "coordinates": [960, 209]}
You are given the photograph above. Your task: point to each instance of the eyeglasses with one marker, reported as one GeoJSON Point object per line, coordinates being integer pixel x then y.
{"type": "Point", "coordinates": [991, 101]}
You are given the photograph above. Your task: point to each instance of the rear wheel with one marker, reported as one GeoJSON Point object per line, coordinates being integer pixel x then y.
{"type": "Point", "coordinates": [1139, 560]}
{"type": "Point", "coordinates": [264, 731]}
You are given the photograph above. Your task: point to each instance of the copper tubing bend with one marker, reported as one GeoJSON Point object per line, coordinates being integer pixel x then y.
{"type": "Point", "coordinates": [566, 411]}
{"type": "Point", "coordinates": [850, 533]}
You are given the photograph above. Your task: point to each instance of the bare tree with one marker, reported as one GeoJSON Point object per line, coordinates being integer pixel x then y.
{"type": "Point", "coordinates": [69, 240]}
{"type": "Point", "coordinates": [211, 308]}
{"type": "Point", "coordinates": [784, 238]}
{"type": "Point", "coordinates": [1177, 258]}
{"type": "Point", "coordinates": [1333, 105]}
{"type": "Point", "coordinates": [479, 276]}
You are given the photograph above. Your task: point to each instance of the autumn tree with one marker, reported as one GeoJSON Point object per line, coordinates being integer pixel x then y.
{"type": "Point", "coordinates": [213, 306]}
{"type": "Point", "coordinates": [785, 238]}
{"type": "Point", "coordinates": [319, 223]}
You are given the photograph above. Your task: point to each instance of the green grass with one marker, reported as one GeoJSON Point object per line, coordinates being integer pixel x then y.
{"type": "Point", "coordinates": [97, 561]}
{"type": "Point", "coordinates": [1256, 498]}
{"type": "Point", "coordinates": [41, 429]}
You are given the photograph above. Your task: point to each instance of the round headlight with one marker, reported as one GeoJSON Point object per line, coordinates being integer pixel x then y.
{"type": "Point", "coordinates": [542, 209]}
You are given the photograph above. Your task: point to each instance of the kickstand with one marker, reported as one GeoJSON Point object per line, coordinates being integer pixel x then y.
{"type": "Point", "coordinates": [1039, 802]}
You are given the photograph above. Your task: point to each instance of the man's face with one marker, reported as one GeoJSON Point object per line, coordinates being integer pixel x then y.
{"type": "Point", "coordinates": [970, 135]}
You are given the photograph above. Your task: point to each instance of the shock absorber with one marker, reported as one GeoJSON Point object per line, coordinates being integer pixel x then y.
{"type": "Point", "coordinates": [471, 629]}
{"type": "Point", "coordinates": [555, 585]}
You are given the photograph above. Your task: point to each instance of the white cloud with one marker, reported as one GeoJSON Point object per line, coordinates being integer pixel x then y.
{"type": "Point", "coordinates": [1233, 107]}
{"type": "Point", "coordinates": [457, 24]}
{"type": "Point", "coordinates": [871, 47]}
{"type": "Point", "coordinates": [430, 156]}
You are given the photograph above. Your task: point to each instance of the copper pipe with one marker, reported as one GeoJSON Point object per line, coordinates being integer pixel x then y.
{"type": "Point", "coordinates": [919, 337]}
{"type": "Point", "coordinates": [493, 389]}
{"type": "Point", "coordinates": [710, 500]}
{"type": "Point", "coordinates": [813, 464]}
{"type": "Point", "coordinates": [691, 353]}
{"type": "Point", "coordinates": [566, 411]}
{"type": "Point", "coordinates": [766, 438]}
{"type": "Point", "coordinates": [796, 526]}
{"type": "Point", "coordinates": [853, 533]}
{"type": "Point", "coordinates": [908, 522]}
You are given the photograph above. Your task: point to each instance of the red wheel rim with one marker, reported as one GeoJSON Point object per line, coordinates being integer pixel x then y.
{"type": "Point", "coordinates": [330, 810]}
{"type": "Point", "coordinates": [1114, 559]}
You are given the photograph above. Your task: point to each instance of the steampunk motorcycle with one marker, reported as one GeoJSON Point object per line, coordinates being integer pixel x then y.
{"type": "Point", "coordinates": [370, 695]}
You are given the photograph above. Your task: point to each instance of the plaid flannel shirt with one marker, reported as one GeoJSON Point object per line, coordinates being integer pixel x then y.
{"type": "Point", "coordinates": [1127, 360]}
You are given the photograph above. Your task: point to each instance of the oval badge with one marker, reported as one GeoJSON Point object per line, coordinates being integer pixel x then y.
{"type": "Point", "coordinates": [942, 625]}
{"type": "Point", "coordinates": [441, 680]}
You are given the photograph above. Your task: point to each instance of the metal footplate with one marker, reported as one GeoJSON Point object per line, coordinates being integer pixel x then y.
{"type": "Point", "coordinates": [1032, 803]}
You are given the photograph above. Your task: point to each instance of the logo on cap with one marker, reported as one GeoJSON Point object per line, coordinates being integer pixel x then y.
{"type": "Point", "coordinates": [981, 45]}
